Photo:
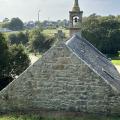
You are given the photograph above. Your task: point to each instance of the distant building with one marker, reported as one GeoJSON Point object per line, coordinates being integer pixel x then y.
{"type": "Point", "coordinates": [30, 24]}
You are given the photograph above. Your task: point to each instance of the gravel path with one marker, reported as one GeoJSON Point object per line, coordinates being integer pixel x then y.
{"type": "Point", "coordinates": [33, 58]}
{"type": "Point", "coordinates": [118, 68]}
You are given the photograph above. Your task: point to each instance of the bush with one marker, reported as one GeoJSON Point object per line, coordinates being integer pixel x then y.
{"type": "Point", "coordinates": [13, 61]}
{"type": "Point", "coordinates": [12, 39]}
{"type": "Point", "coordinates": [19, 60]}
{"type": "Point", "coordinates": [39, 42]}
{"type": "Point", "coordinates": [20, 38]}
{"type": "Point", "coordinates": [4, 57]}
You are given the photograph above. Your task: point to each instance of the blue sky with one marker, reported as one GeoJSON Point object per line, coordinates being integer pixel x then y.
{"type": "Point", "coordinates": [55, 9]}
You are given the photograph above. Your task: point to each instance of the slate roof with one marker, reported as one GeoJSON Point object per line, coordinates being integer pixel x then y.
{"type": "Point", "coordinates": [97, 61]}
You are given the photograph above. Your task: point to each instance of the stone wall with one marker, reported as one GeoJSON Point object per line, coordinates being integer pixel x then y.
{"type": "Point", "coordinates": [60, 81]}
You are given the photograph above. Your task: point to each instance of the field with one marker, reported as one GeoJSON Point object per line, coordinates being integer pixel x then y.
{"type": "Point", "coordinates": [47, 32]}
{"type": "Point", "coordinates": [51, 32]}
{"type": "Point", "coordinates": [116, 62]}
{"type": "Point", "coordinates": [36, 117]}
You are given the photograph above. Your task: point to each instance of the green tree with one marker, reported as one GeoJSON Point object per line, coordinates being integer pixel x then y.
{"type": "Point", "coordinates": [12, 39]}
{"type": "Point", "coordinates": [39, 25]}
{"type": "Point", "coordinates": [5, 20]}
{"type": "Point", "coordinates": [39, 42]}
{"type": "Point", "coordinates": [16, 24]}
{"type": "Point", "coordinates": [103, 33]}
{"type": "Point", "coordinates": [114, 41]}
{"type": "Point", "coordinates": [19, 60]}
{"type": "Point", "coordinates": [23, 38]}
{"type": "Point", "coordinates": [5, 23]}
{"type": "Point", "coordinates": [5, 77]}
{"type": "Point", "coordinates": [20, 38]}
{"type": "Point", "coordinates": [13, 61]}
{"type": "Point", "coordinates": [4, 57]}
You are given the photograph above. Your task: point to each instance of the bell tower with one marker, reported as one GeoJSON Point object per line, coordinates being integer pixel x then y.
{"type": "Point", "coordinates": [75, 18]}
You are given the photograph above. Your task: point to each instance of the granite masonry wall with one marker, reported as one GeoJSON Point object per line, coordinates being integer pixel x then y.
{"type": "Point", "coordinates": [63, 82]}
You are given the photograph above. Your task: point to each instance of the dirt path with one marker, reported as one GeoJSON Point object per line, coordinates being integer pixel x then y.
{"type": "Point", "coordinates": [118, 68]}
{"type": "Point", "coordinates": [33, 58]}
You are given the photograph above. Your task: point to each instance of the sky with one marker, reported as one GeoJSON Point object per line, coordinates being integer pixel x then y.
{"type": "Point", "coordinates": [27, 10]}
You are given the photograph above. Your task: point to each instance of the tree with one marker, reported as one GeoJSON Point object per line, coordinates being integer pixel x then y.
{"type": "Point", "coordinates": [4, 62]}
{"type": "Point", "coordinates": [5, 23]}
{"type": "Point", "coordinates": [12, 39]}
{"type": "Point", "coordinates": [4, 56]}
{"type": "Point", "coordinates": [23, 38]}
{"type": "Point", "coordinates": [20, 38]}
{"type": "Point", "coordinates": [13, 61]}
{"type": "Point", "coordinates": [114, 41]}
{"type": "Point", "coordinates": [103, 33]}
{"type": "Point", "coordinates": [5, 20]}
{"type": "Point", "coordinates": [19, 60]}
{"type": "Point", "coordinates": [39, 42]}
{"type": "Point", "coordinates": [39, 25]}
{"type": "Point", "coordinates": [16, 24]}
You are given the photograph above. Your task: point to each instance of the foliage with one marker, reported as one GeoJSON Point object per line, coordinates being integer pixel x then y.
{"type": "Point", "coordinates": [5, 25]}
{"type": "Point", "coordinates": [13, 61]}
{"type": "Point", "coordinates": [39, 25]}
{"type": "Point", "coordinates": [23, 37]}
{"type": "Point", "coordinates": [5, 20]}
{"type": "Point", "coordinates": [12, 39]}
{"type": "Point", "coordinates": [15, 24]}
{"type": "Point", "coordinates": [4, 62]}
{"type": "Point", "coordinates": [47, 24]}
{"type": "Point", "coordinates": [37, 117]}
{"type": "Point", "coordinates": [39, 42]}
{"type": "Point", "coordinates": [4, 57]}
{"type": "Point", "coordinates": [20, 38]}
{"type": "Point", "coordinates": [19, 59]}
{"type": "Point", "coordinates": [103, 33]}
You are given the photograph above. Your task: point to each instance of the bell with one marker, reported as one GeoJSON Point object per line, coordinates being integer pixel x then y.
{"type": "Point", "coordinates": [76, 20]}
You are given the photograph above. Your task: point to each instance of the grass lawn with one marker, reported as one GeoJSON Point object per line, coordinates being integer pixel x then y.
{"type": "Point", "coordinates": [51, 32]}
{"type": "Point", "coordinates": [36, 117]}
{"type": "Point", "coordinates": [116, 62]}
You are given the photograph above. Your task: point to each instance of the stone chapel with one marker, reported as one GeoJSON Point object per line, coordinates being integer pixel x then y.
{"type": "Point", "coordinates": [72, 76]}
